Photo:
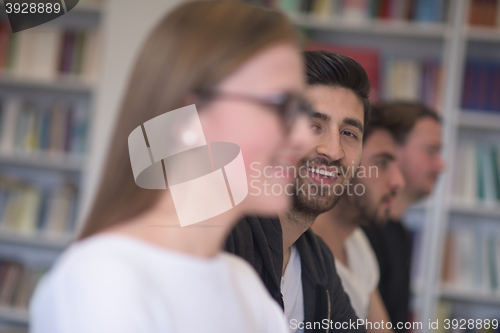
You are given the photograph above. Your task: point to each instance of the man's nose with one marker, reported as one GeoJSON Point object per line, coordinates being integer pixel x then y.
{"type": "Point", "coordinates": [441, 164]}
{"type": "Point", "coordinates": [330, 147]}
{"type": "Point", "coordinates": [397, 179]}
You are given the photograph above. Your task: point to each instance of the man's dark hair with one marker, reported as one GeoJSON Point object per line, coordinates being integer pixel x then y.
{"type": "Point", "coordinates": [338, 70]}
{"type": "Point", "coordinates": [398, 118]}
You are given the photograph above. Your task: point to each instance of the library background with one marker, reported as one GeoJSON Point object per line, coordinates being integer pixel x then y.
{"type": "Point", "coordinates": [61, 83]}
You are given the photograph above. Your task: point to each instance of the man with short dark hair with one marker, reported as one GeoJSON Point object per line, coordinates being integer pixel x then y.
{"type": "Point", "coordinates": [419, 146]}
{"type": "Point", "coordinates": [295, 265]}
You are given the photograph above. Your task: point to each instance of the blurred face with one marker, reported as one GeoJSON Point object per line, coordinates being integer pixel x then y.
{"type": "Point", "coordinates": [380, 176]}
{"type": "Point", "coordinates": [266, 148]}
{"type": "Point", "coordinates": [324, 171]}
{"type": "Point", "coordinates": [420, 157]}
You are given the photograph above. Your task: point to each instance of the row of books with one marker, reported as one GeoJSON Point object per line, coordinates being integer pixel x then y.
{"type": "Point", "coordinates": [481, 86]}
{"type": "Point", "coordinates": [49, 52]}
{"type": "Point", "coordinates": [29, 128]}
{"type": "Point", "coordinates": [362, 10]}
{"type": "Point", "coordinates": [472, 260]}
{"type": "Point", "coordinates": [481, 12]}
{"type": "Point", "coordinates": [414, 80]}
{"type": "Point", "coordinates": [17, 283]}
{"type": "Point", "coordinates": [28, 209]}
{"type": "Point", "coordinates": [394, 78]}
{"type": "Point", "coordinates": [476, 176]}
{"type": "Point", "coordinates": [484, 13]}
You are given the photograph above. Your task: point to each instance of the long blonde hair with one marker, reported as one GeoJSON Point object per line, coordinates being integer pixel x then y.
{"type": "Point", "coordinates": [194, 47]}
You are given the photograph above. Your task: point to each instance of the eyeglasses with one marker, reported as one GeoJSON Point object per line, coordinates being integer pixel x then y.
{"type": "Point", "coordinates": [288, 106]}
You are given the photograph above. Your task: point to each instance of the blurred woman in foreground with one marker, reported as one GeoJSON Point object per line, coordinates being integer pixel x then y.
{"type": "Point", "coordinates": [134, 268]}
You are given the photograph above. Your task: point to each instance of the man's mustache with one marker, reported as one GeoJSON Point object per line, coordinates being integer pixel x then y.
{"type": "Point", "coordinates": [320, 161]}
{"type": "Point", "coordinates": [392, 194]}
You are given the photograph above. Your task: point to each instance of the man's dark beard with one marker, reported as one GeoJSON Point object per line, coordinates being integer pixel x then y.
{"type": "Point", "coordinates": [368, 215]}
{"type": "Point", "coordinates": [316, 204]}
{"type": "Point", "coordinates": [310, 206]}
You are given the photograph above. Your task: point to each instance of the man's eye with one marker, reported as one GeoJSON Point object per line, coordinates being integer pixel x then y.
{"type": "Point", "coordinates": [382, 164]}
{"type": "Point", "coordinates": [350, 134]}
{"type": "Point", "coordinates": [316, 127]}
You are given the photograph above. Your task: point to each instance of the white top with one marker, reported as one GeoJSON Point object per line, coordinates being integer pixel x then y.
{"type": "Point", "coordinates": [112, 283]}
{"type": "Point", "coordinates": [361, 278]}
{"type": "Point", "coordinates": [291, 288]}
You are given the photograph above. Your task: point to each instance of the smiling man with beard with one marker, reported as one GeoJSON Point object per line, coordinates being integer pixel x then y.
{"type": "Point", "coordinates": [381, 178]}
{"type": "Point", "coordinates": [296, 266]}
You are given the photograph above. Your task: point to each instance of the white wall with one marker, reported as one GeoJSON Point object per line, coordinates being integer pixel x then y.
{"type": "Point", "coordinates": [125, 25]}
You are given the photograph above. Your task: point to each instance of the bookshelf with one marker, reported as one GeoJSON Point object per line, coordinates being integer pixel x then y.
{"type": "Point", "coordinates": [457, 208]}
{"type": "Point", "coordinates": [43, 167]}
{"type": "Point", "coordinates": [452, 42]}
{"type": "Point", "coordinates": [479, 120]}
{"type": "Point", "coordinates": [483, 34]}
{"type": "Point", "coordinates": [43, 162]}
{"type": "Point", "coordinates": [36, 241]}
{"type": "Point", "coordinates": [484, 298]}
{"type": "Point", "coordinates": [375, 27]}
{"type": "Point", "coordinates": [63, 85]}
{"type": "Point", "coordinates": [14, 316]}
{"type": "Point", "coordinates": [477, 210]}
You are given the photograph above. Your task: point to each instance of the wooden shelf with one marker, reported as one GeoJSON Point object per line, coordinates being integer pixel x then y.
{"type": "Point", "coordinates": [38, 241]}
{"type": "Point", "coordinates": [377, 27]}
{"type": "Point", "coordinates": [469, 209]}
{"type": "Point", "coordinates": [44, 161]}
{"type": "Point", "coordinates": [62, 84]}
{"type": "Point", "coordinates": [479, 120]}
{"type": "Point", "coordinates": [16, 316]}
{"type": "Point", "coordinates": [13, 329]}
{"type": "Point", "coordinates": [476, 210]}
{"type": "Point", "coordinates": [480, 297]}
{"type": "Point", "coordinates": [483, 34]}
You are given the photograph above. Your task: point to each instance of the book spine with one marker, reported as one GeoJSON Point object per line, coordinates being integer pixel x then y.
{"type": "Point", "coordinates": [322, 7]}
{"type": "Point", "coordinates": [467, 99]}
{"type": "Point", "coordinates": [5, 35]}
{"type": "Point", "coordinates": [67, 49]}
{"type": "Point", "coordinates": [69, 129]}
{"type": "Point", "coordinates": [356, 10]}
{"type": "Point", "coordinates": [483, 84]}
{"type": "Point", "coordinates": [290, 6]}
{"type": "Point", "coordinates": [20, 131]}
{"type": "Point", "coordinates": [306, 6]}
{"type": "Point", "coordinates": [495, 88]}
{"type": "Point", "coordinates": [80, 127]}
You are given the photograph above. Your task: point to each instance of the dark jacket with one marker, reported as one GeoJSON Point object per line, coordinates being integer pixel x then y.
{"type": "Point", "coordinates": [392, 245]}
{"type": "Point", "coordinates": [260, 242]}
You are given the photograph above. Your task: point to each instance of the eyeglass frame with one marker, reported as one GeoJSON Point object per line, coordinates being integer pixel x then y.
{"type": "Point", "coordinates": [286, 116]}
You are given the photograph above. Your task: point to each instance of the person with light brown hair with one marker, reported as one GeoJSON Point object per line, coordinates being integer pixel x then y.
{"type": "Point", "coordinates": [135, 267]}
